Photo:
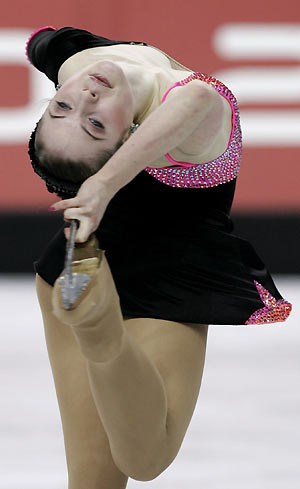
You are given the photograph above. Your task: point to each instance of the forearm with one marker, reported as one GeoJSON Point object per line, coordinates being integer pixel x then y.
{"type": "Point", "coordinates": [163, 130]}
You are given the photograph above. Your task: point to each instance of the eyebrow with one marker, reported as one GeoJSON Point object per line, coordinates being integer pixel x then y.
{"type": "Point", "coordinates": [82, 127]}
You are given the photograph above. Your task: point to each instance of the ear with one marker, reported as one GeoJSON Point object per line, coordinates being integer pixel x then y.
{"type": "Point", "coordinates": [127, 135]}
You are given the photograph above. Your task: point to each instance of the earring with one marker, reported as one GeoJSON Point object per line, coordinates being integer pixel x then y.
{"type": "Point", "coordinates": [58, 86]}
{"type": "Point", "coordinates": [133, 127]}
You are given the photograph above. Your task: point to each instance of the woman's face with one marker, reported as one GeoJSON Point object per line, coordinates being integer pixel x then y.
{"type": "Point", "coordinates": [90, 113]}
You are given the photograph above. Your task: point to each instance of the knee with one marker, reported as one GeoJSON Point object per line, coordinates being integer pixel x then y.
{"type": "Point", "coordinates": [143, 472]}
{"type": "Point", "coordinates": [144, 467]}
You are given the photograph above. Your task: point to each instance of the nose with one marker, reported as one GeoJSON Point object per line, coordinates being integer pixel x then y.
{"type": "Point", "coordinates": [92, 93]}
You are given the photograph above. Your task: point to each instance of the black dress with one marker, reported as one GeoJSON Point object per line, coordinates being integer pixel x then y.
{"type": "Point", "coordinates": [172, 251]}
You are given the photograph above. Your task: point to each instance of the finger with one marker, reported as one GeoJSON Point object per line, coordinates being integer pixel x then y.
{"type": "Point", "coordinates": [67, 232]}
{"type": "Point", "coordinates": [72, 213]}
{"type": "Point", "coordinates": [67, 229]}
{"type": "Point", "coordinates": [64, 204]}
{"type": "Point", "coordinates": [84, 231]}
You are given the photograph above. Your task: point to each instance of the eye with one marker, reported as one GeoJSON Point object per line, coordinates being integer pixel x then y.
{"type": "Point", "coordinates": [62, 105]}
{"type": "Point", "coordinates": [96, 123]}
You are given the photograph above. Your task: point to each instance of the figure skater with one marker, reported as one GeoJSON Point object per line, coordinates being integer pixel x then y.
{"type": "Point", "coordinates": [144, 153]}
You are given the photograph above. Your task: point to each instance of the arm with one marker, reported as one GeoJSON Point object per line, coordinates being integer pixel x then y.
{"type": "Point", "coordinates": [163, 130]}
{"type": "Point", "coordinates": [167, 127]}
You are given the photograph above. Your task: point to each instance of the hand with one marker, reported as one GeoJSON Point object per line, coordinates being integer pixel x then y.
{"type": "Point", "coordinates": [88, 207]}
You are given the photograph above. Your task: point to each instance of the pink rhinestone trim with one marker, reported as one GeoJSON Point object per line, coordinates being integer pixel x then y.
{"type": "Point", "coordinates": [46, 28]}
{"type": "Point", "coordinates": [273, 312]}
{"type": "Point", "coordinates": [210, 174]}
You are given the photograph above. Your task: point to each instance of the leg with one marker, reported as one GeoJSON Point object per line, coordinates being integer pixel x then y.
{"type": "Point", "coordinates": [145, 379]}
{"type": "Point", "coordinates": [89, 460]}
{"type": "Point", "coordinates": [158, 381]}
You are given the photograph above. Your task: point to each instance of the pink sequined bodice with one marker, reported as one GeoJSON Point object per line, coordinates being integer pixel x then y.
{"type": "Point", "coordinates": [212, 173]}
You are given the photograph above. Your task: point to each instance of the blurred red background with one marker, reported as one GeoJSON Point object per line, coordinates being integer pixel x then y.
{"type": "Point", "coordinates": [270, 172]}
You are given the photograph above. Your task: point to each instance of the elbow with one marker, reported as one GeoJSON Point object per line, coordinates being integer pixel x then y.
{"type": "Point", "coordinates": [210, 101]}
{"type": "Point", "coordinates": [201, 91]}
{"type": "Point", "coordinates": [203, 97]}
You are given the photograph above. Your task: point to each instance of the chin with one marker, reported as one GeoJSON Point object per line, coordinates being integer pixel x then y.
{"type": "Point", "coordinates": [106, 64]}
{"type": "Point", "coordinates": [108, 69]}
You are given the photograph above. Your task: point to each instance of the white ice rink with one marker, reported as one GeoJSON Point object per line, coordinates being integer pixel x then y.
{"type": "Point", "coordinates": [245, 432]}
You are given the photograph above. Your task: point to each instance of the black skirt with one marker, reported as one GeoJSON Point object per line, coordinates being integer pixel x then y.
{"type": "Point", "coordinates": [173, 255]}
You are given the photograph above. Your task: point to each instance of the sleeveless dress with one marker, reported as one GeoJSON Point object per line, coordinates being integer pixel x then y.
{"type": "Point", "coordinates": [168, 235]}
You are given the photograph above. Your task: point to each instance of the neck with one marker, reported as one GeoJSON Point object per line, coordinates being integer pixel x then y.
{"type": "Point", "coordinates": [144, 86]}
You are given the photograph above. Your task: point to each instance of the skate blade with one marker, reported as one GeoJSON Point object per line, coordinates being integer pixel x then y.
{"type": "Point", "coordinates": [71, 289]}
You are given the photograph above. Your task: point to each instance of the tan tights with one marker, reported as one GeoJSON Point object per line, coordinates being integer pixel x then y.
{"type": "Point", "coordinates": [126, 388]}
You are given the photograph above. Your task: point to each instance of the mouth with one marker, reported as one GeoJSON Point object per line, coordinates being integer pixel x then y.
{"type": "Point", "coordinates": [101, 80]}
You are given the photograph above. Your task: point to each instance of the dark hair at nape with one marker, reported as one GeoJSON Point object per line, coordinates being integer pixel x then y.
{"type": "Point", "coordinates": [63, 176]}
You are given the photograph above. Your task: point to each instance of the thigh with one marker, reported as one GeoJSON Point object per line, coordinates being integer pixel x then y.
{"type": "Point", "coordinates": [88, 454]}
{"type": "Point", "coordinates": [178, 352]}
